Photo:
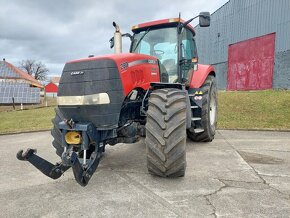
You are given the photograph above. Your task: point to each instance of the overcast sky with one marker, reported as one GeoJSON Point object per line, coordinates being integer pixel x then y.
{"type": "Point", "coordinates": [55, 32]}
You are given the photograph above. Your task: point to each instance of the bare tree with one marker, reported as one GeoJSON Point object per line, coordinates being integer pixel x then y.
{"type": "Point", "coordinates": [37, 69]}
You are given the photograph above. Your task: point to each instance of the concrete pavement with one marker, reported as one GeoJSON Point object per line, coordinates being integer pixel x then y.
{"type": "Point", "coordinates": [239, 174]}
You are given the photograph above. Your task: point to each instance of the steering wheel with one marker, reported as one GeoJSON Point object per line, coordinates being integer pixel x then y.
{"type": "Point", "coordinates": [158, 52]}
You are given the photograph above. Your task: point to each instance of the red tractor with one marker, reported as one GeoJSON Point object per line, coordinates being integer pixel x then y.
{"type": "Point", "coordinates": [157, 91]}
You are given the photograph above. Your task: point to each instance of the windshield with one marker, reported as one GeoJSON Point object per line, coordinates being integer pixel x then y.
{"type": "Point", "coordinates": [162, 44]}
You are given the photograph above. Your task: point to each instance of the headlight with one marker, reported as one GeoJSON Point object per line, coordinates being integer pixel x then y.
{"type": "Point", "coordinates": [100, 98]}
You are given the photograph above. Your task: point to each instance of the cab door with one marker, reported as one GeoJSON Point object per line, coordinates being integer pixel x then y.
{"type": "Point", "coordinates": [189, 55]}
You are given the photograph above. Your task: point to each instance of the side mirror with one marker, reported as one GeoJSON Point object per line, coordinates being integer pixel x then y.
{"type": "Point", "coordinates": [204, 19]}
{"type": "Point", "coordinates": [112, 42]}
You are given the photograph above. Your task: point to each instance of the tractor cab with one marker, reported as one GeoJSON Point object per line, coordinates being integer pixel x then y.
{"type": "Point", "coordinates": [171, 41]}
{"type": "Point", "coordinates": [160, 39]}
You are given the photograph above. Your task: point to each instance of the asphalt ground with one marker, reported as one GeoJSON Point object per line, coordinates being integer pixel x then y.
{"type": "Point", "coordinates": [239, 174]}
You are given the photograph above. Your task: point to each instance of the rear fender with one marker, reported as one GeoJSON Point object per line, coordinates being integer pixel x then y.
{"type": "Point", "coordinates": [199, 76]}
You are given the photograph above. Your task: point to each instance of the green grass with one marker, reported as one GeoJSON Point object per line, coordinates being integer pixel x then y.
{"type": "Point", "coordinates": [254, 110]}
{"type": "Point", "coordinates": [26, 120]}
{"type": "Point", "coordinates": [237, 110]}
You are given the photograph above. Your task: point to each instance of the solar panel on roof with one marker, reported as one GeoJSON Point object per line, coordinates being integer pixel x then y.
{"type": "Point", "coordinates": [6, 71]}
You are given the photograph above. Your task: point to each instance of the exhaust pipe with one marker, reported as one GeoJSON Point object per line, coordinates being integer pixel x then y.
{"type": "Point", "coordinates": [117, 39]}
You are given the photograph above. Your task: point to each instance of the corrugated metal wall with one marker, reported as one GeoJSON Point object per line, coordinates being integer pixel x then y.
{"type": "Point", "coordinates": [239, 20]}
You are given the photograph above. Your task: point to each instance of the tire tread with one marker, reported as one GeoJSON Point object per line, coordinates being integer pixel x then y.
{"type": "Point", "coordinates": [166, 133]}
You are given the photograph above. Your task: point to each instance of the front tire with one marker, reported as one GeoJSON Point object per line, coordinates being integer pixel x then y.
{"type": "Point", "coordinates": [209, 112]}
{"type": "Point", "coordinates": [56, 133]}
{"type": "Point", "coordinates": [166, 133]}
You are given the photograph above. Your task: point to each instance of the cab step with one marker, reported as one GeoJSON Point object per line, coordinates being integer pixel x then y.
{"type": "Point", "coordinates": [195, 118]}
{"type": "Point", "coordinates": [198, 130]}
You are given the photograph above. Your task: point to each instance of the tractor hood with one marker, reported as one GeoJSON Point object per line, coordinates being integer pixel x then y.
{"type": "Point", "coordinates": [122, 60]}
{"type": "Point", "coordinates": [93, 89]}
{"type": "Point", "coordinates": [101, 67]}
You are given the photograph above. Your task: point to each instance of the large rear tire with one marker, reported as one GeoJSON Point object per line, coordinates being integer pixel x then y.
{"type": "Point", "coordinates": [56, 133]}
{"type": "Point", "coordinates": [209, 112]}
{"type": "Point", "coordinates": [166, 133]}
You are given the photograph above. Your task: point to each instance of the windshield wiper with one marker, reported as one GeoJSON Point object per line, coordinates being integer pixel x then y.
{"type": "Point", "coordinates": [139, 41]}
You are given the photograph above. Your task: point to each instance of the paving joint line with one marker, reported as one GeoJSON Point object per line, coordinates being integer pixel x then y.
{"type": "Point", "coordinates": [151, 194]}
{"type": "Point", "coordinates": [256, 172]}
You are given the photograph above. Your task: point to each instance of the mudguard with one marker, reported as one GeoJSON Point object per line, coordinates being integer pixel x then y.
{"type": "Point", "coordinates": [199, 76]}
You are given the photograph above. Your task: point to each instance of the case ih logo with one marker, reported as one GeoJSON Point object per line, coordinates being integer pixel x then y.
{"type": "Point", "coordinates": [77, 73]}
{"type": "Point", "coordinates": [124, 65]}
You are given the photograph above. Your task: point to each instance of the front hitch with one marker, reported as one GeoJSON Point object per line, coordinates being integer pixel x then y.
{"type": "Point", "coordinates": [82, 174]}
{"type": "Point", "coordinates": [82, 170]}
{"type": "Point", "coordinates": [47, 168]}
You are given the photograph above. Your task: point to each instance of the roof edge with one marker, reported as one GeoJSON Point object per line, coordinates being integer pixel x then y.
{"type": "Point", "coordinates": [23, 75]}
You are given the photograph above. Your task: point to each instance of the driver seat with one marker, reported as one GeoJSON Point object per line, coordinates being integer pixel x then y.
{"type": "Point", "coordinates": [171, 69]}
{"type": "Point", "coordinates": [170, 66]}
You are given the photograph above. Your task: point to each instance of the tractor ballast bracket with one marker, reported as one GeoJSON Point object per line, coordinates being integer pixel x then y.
{"type": "Point", "coordinates": [82, 170]}
{"type": "Point", "coordinates": [82, 175]}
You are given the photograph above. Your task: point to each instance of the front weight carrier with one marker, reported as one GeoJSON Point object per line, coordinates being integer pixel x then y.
{"type": "Point", "coordinates": [82, 175]}
{"type": "Point", "coordinates": [82, 172]}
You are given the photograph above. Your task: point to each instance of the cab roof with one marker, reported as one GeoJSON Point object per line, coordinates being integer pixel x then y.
{"type": "Point", "coordinates": [170, 22]}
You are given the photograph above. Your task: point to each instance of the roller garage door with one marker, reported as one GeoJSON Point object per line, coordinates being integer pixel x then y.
{"type": "Point", "coordinates": [251, 64]}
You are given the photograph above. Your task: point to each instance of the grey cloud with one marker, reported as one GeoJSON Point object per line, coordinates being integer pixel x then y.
{"type": "Point", "coordinates": [57, 31]}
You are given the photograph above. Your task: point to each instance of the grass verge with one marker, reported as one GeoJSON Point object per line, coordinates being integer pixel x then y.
{"type": "Point", "coordinates": [237, 110]}
{"type": "Point", "coordinates": [268, 109]}
{"type": "Point", "coordinates": [26, 120]}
